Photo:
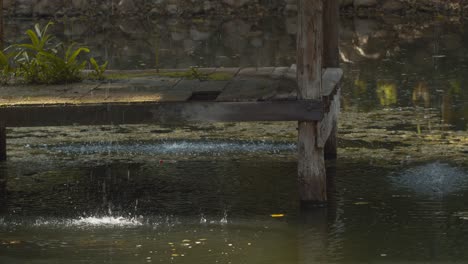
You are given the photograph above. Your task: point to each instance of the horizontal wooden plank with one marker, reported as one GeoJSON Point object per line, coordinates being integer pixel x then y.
{"type": "Point", "coordinates": [170, 112]}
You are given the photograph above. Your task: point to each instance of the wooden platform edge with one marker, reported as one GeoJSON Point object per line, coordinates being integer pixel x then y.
{"type": "Point", "coordinates": [169, 112]}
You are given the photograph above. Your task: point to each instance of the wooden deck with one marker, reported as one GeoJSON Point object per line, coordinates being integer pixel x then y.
{"type": "Point", "coordinates": [169, 96]}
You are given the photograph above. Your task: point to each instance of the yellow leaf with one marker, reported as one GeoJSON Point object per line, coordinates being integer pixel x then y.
{"type": "Point", "coordinates": [361, 203]}
{"type": "Point", "coordinates": [277, 215]}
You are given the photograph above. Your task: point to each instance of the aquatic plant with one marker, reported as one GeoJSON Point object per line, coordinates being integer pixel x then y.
{"type": "Point", "coordinates": [45, 61]}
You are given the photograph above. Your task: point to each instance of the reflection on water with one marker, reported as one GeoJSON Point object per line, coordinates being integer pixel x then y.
{"type": "Point", "coordinates": [413, 64]}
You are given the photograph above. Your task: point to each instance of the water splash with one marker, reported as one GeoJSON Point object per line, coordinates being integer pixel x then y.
{"type": "Point", "coordinates": [107, 221]}
{"type": "Point", "coordinates": [175, 147]}
{"type": "Point", "coordinates": [83, 222]}
{"type": "Point", "coordinates": [202, 219]}
{"type": "Point", "coordinates": [435, 179]}
{"type": "Point", "coordinates": [91, 222]}
{"type": "Point", "coordinates": [224, 220]}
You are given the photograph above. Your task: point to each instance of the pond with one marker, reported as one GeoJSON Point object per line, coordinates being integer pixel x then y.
{"type": "Point", "coordinates": [227, 193]}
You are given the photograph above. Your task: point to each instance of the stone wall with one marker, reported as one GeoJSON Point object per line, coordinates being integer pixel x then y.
{"type": "Point", "coordinates": [233, 42]}
{"type": "Point", "coordinates": [47, 8]}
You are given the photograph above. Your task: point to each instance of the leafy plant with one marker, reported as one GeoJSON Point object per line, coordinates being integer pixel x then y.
{"type": "Point", "coordinates": [98, 70]}
{"type": "Point", "coordinates": [6, 69]}
{"type": "Point", "coordinates": [62, 66]}
{"type": "Point", "coordinates": [45, 61]}
{"type": "Point", "coordinates": [39, 38]}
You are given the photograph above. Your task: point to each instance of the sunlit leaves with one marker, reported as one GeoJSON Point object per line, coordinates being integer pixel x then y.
{"type": "Point", "coordinates": [43, 61]}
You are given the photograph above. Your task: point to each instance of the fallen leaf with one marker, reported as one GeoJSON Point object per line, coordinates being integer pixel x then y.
{"type": "Point", "coordinates": [277, 215]}
{"type": "Point", "coordinates": [361, 203]}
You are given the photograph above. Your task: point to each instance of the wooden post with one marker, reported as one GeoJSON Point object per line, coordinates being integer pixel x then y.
{"type": "Point", "coordinates": [1, 25]}
{"type": "Point", "coordinates": [3, 154]}
{"type": "Point", "coordinates": [331, 59]}
{"type": "Point", "coordinates": [331, 56]}
{"type": "Point", "coordinates": [311, 163]}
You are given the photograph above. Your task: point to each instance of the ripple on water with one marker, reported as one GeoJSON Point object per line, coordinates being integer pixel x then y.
{"type": "Point", "coordinates": [435, 179]}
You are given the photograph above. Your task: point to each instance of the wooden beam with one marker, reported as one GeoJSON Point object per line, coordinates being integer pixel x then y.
{"type": "Point", "coordinates": [311, 163]}
{"type": "Point", "coordinates": [331, 58]}
{"type": "Point", "coordinates": [3, 153]}
{"type": "Point", "coordinates": [175, 112]}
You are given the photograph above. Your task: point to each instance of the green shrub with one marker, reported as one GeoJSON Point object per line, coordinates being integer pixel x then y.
{"type": "Point", "coordinates": [6, 69]}
{"type": "Point", "coordinates": [45, 61]}
{"type": "Point", "coordinates": [98, 70]}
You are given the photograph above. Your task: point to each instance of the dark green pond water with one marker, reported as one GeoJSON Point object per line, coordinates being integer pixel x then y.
{"type": "Point", "coordinates": [212, 201]}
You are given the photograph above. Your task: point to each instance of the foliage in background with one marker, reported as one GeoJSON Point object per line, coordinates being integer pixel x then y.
{"type": "Point", "coordinates": [45, 61]}
{"type": "Point", "coordinates": [98, 70]}
{"type": "Point", "coordinates": [6, 69]}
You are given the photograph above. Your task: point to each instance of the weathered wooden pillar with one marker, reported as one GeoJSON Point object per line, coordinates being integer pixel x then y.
{"type": "Point", "coordinates": [331, 59]}
{"type": "Point", "coordinates": [311, 163]}
{"type": "Point", "coordinates": [1, 25]}
{"type": "Point", "coordinates": [3, 153]}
